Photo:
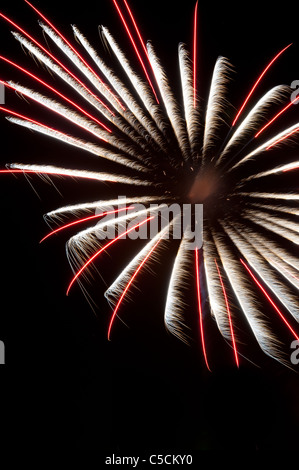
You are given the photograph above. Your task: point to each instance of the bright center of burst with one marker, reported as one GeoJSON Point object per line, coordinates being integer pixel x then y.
{"type": "Point", "coordinates": [204, 186]}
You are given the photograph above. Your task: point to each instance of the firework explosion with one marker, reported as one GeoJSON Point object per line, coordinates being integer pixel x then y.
{"type": "Point", "coordinates": [180, 153]}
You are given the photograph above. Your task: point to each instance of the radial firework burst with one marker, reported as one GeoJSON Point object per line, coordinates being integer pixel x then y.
{"type": "Point", "coordinates": [180, 153]}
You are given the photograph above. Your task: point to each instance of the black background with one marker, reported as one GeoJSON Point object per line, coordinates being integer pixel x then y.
{"type": "Point", "coordinates": [64, 385]}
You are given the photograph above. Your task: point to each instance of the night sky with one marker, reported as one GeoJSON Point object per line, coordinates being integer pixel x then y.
{"type": "Point", "coordinates": [64, 385]}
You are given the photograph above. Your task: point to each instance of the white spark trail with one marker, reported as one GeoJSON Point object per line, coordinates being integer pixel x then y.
{"type": "Point", "coordinates": [100, 206]}
{"type": "Point", "coordinates": [216, 103]}
{"type": "Point", "coordinates": [283, 196]}
{"type": "Point", "coordinates": [215, 292]}
{"type": "Point", "coordinates": [191, 112]}
{"type": "Point", "coordinates": [179, 280]}
{"type": "Point", "coordinates": [93, 175]}
{"type": "Point", "coordinates": [170, 103]}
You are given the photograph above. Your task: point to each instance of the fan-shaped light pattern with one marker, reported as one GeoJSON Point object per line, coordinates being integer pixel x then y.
{"type": "Point", "coordinates": [162, 148]}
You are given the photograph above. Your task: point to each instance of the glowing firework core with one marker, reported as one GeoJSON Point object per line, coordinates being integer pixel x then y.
{"type": "Point", "coordinates": [205, 185]}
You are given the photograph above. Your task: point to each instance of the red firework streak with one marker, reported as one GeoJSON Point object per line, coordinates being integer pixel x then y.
{"type": "Point", "coordinates": [129, 284]}
{"type": "Point", "coordinates": [134, 44]}
{"type": "Point", "coordinates": [257, 82]}
{"type": "Point", "coordinates": [269, 299]}
{"type": "Point", "coordinates": [228, 314]}
{"type": "Point", "coordinates": [55, 59]}
{"type": "Point", "coordinates": [136, 29]}
{"type": "Point", "coordinates": [92, 258]}
{"type": "Point", "coordinates": [200, 309]}
{"type": "Point", "coordinates": [85, 219]}
{"type": "Point", "coordinates": [74, 50]}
